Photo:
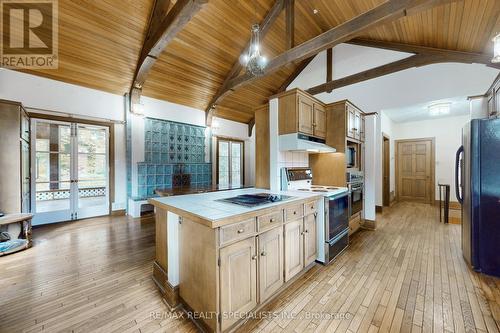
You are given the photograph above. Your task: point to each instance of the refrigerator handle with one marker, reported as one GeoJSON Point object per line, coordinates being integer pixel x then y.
{"type": "Point", "coordinates": [457, 178]}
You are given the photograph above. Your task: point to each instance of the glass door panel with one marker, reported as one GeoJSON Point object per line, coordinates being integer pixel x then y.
{"type": "Point", "coordinates": [229, 162]}
{"type": "Point", "coordinates": [223, 163]}
{"type": "Point", "coordinates": [236, 163]}
{"type": "Point", "coordinates": [52, 168]}
{"type": "Point", "coordinates": [92, 171]}
{"type": "Point", "coordinates": [70, 166]}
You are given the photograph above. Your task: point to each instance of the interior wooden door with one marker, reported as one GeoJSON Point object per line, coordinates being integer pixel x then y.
{"type": "Point", "coordinates": [415, 170]}
{"type": "Point", "coordinates": [305, 115]}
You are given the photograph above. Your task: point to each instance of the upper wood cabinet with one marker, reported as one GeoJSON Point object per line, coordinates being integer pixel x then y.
{"type": "Point", "coordinates": [299, 112]}
{"type": "Point", "coordinates": [305, 115]}
{"type": "Point", "coordinates": [344, 122]}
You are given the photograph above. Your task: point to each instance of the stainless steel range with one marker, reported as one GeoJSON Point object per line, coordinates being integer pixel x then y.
{"type": "Point", "coordinates": [334, 237]}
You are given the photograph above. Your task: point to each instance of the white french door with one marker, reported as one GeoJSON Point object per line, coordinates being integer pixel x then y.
{"type": "Point", "coordinates": [70, 171]}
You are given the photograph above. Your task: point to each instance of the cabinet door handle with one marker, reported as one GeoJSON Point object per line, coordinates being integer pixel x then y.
{"type": "Point", "coordinates": [272, 220]}
{"type": "Point", "coordinates": [263, 253]}
{"type": "Point", "coordinates": [254, 257]}
{"type": "Point", "coordinates": [312, 207]}
{"type": "Point", "coordinates": [241, 231]}
{"type": "Point", "coordinates": [294, 213]}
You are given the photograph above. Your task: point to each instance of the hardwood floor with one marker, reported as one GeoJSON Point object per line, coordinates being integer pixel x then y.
{"type": "Point", "coordinates": [407, 276]}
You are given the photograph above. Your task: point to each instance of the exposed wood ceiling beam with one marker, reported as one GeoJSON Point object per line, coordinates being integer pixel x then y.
{"type": "Point", "coordinates": [451, 55]}
{"type": "Point", "coordinates": [295, 73]}
{"type": "Point", "coordinates": [424, 56]}
{"type": "Point", "coordinates": [162, 30]}
{"type": "Point", "coordinates": [382, 14]}
{"type": "Point", "coordinates": [265, 25]}
{"type": "Point", "coordinates": [410, 62]}
{"type": "Point", "coordinates": [290, 23]}
{"type": "Point", "coordinates": [329, 65]}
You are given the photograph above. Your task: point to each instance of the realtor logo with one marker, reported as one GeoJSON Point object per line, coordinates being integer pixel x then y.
{"type": "Point", "coordinates": [29, 34]}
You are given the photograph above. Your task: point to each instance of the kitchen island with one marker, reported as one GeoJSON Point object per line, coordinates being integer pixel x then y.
{"type": "Point", "coordinates": [223, 260]}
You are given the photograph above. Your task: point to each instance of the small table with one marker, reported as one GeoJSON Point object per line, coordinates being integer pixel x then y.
{"type": "Point", "coordinates": [446, 204]}
{"type": "Point", "coordinates": [24, 219]}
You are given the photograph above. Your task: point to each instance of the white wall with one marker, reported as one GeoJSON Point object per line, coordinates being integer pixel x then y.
{"type": "Point", "coordinates": [42, 93]}
{"type": "Point", "coordinates": [408, 87]}
{"type": "Point", "coordinates": [387, 128]}
{"type": "Point", "coordinates": [370, 194]}
{"type": "Point", "coordinates": [448, 137]}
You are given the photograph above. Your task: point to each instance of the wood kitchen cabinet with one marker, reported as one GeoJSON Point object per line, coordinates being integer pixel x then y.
{"type": "Point", "coordinates": [300, 112]}
{"type": "Point", "coordinates": [294, 248]}
{"type": "Point", "coordinates": [238, 276]}
{"type": "Point", "coordinates": [270, 262]}
{"type": "Point", "coordinates": [345, 122]}
{"type": "Point", "coordinates": [239, 266]}
{"type": "Point", "coordinates": [300, 242]}
{"type": "Point", "coordinates": [310, 241]}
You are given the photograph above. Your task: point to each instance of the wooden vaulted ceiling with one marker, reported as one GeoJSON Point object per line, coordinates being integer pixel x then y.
{"type": "Point", "coordinates": [100, 42]}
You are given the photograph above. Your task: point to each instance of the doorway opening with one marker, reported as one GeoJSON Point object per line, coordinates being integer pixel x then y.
{"type": "Point", "coordinates": [386, 170]}
{"type": "Point", "coordinates": [415, 170]}
{"type": "Point", "coordinates": [70, 171]}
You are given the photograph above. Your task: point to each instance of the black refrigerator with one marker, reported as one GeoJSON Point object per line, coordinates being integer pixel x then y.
{"type": "Point", "coordinates": [477, 181]}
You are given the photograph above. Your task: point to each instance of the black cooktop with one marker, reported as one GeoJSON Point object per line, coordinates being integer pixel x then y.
{"type": "Point", "coordinates": [252, 200]}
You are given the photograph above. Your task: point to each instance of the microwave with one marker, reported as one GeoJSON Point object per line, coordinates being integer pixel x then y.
{"type": "Point", "coordinates": [350, 157]}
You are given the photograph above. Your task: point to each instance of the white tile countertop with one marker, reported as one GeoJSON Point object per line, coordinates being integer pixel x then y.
{"type": "Point", "coordinates": [206, 207]}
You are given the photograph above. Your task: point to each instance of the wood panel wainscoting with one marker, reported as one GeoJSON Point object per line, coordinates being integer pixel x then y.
{"type": "Point", "coordinates": [415, 170]}
{"type": "Point", "coordinates": [95, 276]}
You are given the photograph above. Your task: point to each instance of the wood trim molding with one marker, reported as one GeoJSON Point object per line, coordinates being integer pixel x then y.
{"type": "Point", "coordinates": [290, 23]}
{"type": "Point", "coordinates": [169, 293]}
{"type": "Point", "coordinates": [369, 224]}
{"type": "Point", "coordinates": [379, 209]}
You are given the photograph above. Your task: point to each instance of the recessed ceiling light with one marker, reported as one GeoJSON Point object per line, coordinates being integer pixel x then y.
{"type": "Point", "coordinates": [315, 11]}
{"type": "Point", "coordinates": [439, 109]}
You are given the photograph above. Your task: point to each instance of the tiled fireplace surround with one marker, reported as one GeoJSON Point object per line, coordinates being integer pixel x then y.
{"type": "Point", "coordinates": [172, 148]}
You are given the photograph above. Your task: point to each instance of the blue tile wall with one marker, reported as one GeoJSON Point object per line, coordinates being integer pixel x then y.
{"type": "Point", "coordinates": [172, 148]}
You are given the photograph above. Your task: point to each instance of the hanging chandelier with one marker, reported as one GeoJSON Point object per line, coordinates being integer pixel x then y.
{"type": "Point", "coordinates": [253, 61]}
{"type": "Point", "coordinates": [496, 50]}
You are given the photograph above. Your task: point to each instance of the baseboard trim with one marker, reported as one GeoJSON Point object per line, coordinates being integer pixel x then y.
{"type": "Point", "coordinates": [379, 209]}
{"type": "Point", "coordinates": [453, 205]}
{"type": "Point", "coordinates": [170, 294]}
{"type": "Point", "coordinates": [119, 212]}
{"type": "Point", "coordinates": [369, 224]}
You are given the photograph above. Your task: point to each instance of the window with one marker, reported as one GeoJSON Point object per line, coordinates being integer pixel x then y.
{"type": "Point", "coordinates": [230, 162]}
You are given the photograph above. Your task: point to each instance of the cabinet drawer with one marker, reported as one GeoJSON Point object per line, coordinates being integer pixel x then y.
{"type": "Point", "coordinates": [310, 207]}
{"type": "Point", "coordinates": [269, 220]}
{"type": "Point", "coordinates": [294, 212]}
{"type": "Point", "coordinates": [237, 231]}
{"type": "Point", "coordinates": [354, 224]}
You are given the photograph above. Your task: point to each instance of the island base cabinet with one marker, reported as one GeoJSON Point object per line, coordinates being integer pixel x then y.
{"type": "Point", "coordinates": [294, 248]}
{"type": "Point", "coordinates": [270, 262]}
{"type": "Point", "coordinates": [310, 242]}
{"type": "Point", "coordinates": [238, 280]}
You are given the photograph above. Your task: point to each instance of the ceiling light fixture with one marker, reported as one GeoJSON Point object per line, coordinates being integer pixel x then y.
{"type": "Point", "coordinates": [254, 62]}
{"type": "Point", "coordinates": [439, 109]}
{"type": "Point", "coordinates": [496, 49]}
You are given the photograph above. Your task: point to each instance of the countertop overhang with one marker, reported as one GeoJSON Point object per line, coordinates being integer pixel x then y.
{"type": "Point", "coordinates": [206, 209]}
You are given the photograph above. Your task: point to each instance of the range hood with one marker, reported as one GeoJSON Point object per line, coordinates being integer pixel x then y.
{"type": "Point", "coordinates": [301, 142]}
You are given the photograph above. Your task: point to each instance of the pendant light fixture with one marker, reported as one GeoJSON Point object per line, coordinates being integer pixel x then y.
{"type": "Point", "coordinates": [496, 50]}
{"type": "Point", "coordinates": [253, 61]}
